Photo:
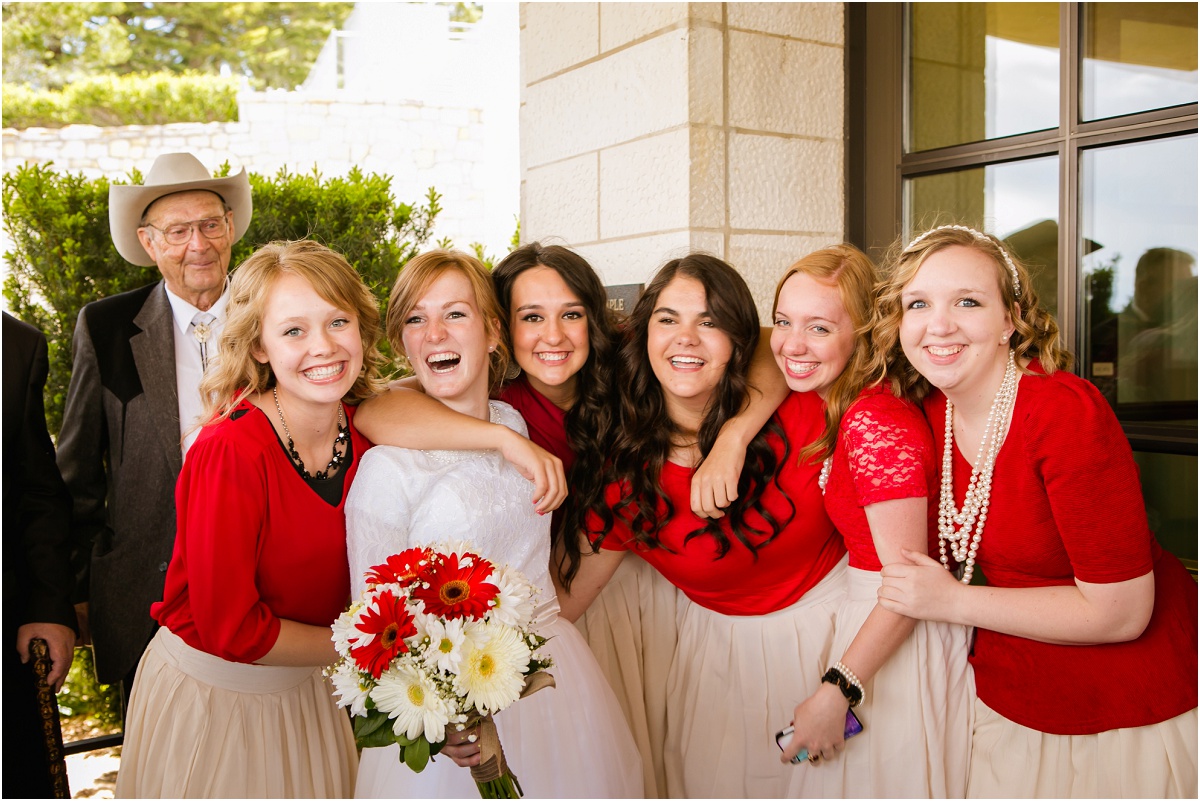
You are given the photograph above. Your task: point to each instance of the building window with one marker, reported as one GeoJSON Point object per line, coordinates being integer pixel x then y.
{"type": "Point", "coordinates": [1069, 131]}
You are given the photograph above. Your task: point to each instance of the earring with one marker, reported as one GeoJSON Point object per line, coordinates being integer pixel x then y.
{"type": "Point", "coordinates": [491, 348]}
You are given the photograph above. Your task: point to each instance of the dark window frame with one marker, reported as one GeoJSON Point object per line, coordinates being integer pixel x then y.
{"type": "Point", "coordinates": [877, 66]}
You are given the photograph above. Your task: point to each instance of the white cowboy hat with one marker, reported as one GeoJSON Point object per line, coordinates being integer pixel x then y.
{"type": "Point", "coordinates": [171, 172]}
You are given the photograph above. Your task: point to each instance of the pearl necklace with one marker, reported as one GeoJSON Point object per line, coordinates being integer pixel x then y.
{"type": "Point", "coordinates": [954, 526]}
{"type": "Point", "coordinates": [826, 467]}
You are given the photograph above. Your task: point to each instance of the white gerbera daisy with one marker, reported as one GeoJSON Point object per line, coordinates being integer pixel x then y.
{"type": "Point", "coordinates": [445, 649]}
{"type": "Point", "coordinates": [410, 698]}
{"type": "Point", "coordinates": [492, 672]}
{"type": "Point", "coordinates": [343, 629]}
{"type": "Point", "coordinates": [513, 604]}
{"type": "Point", "coordinates": [351, 688]}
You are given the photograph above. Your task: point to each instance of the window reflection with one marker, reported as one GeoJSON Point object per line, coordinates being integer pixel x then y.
{"type": "Point", "coordinates": [1137, 57]}
{"type": "Point", "coordinates": [1169, 487]}
{"type": "Point", "coordinates": [1138, 201]}
{"type": "Point", "coordinates": [981, 71]}
{"type": "Point", "coordinates": [1016, 201]}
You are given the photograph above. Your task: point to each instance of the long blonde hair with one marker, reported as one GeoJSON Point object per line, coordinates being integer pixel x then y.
{"type": "Point", "coordinates": [1036, 333]}
{"type": "Point", "coordinates": [423, 270]}
{"type": "Point", "coordinates": [237, 374]}
{"type": "Point", "coordinates": [853, 273]}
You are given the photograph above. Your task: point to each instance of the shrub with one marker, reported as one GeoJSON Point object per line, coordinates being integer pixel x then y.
{"type": "Point", "coordinates": [62, 254]}
{"type": "Point", "coordinates": [134, 99]}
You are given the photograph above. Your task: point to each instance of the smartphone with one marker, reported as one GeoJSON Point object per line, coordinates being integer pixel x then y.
{"type": "Point", "coordinates": [853, 726]}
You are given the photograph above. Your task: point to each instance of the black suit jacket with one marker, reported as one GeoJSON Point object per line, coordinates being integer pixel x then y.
{"type": "Point", "coordinates": [119, 451]}
{"type": "Point", "coordinates": [37, 509]}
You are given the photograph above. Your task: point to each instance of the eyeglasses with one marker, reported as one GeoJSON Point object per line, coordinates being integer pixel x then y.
{"type": "Point", "coordinates": [181, 233]}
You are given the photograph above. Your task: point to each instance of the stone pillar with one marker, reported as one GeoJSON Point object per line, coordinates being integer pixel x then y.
{"type": "Point", "coordinates": [652, 129]}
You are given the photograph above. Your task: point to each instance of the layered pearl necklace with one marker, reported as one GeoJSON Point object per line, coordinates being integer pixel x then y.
{"type": "Point", "coordinates": [955, 526]}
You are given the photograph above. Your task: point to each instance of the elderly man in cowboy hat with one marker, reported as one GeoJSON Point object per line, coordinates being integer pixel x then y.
{"type": "Point", "coordinates": [134, 398]}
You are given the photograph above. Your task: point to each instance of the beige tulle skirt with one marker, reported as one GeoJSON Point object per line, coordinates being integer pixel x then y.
{"type": "Point", "coordinates": [734, 683]}
{"type": "Point", "coordinates": [917, 712]}
{"type": "Point", "coordinates": [201, 727]}
{"type": "Point", "coordinates": [1009, 760]}
{"type": "Point", "coordinates": [631, 628]}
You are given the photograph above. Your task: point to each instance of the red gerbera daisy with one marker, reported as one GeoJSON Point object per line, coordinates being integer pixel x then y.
{"type": "Point", "coordinates": [402, 568]}
{"type": "Point", "coordinates": [388, 619]}
{"type": "Point", "coordinates": [452, 590]}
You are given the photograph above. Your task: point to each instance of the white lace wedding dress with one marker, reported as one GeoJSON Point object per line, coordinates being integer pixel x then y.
{"type": "Point", "coordinates": [569, 741]}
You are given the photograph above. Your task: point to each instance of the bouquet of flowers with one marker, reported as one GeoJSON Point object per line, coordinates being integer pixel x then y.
{"type": "Point", "coordinates": [441, 636]}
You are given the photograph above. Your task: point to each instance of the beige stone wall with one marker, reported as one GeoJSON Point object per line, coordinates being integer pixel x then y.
{"type": "Point", "coordinates": [651, 129]}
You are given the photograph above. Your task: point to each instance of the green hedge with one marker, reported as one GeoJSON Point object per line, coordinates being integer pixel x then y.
{"type": "Point", "coordinates": [134, 99]}
{"type": "Point", "coordinates": [62, 255]}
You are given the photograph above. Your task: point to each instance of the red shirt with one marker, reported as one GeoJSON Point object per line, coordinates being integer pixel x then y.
{"type": "Point", "coordinates": [1066, 503]}
{"type": "Point", "coordinates": [547, 423]}
{"type": "Point", "coordinates": [254, 542]}
{"type": "Point", "coordinates": [741, 583]}
{"type": "Point", "coordinates": [884, 452]}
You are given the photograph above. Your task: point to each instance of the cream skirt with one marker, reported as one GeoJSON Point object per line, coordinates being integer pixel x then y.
{"type": "Point", "coordinates": [201, 727]}
{"type": "Point", "coordinates": [734, 683]}
{"type": "Point", "coordinates": [1009, 760]}
{"type": "Point", "coordinates": [631, 628]}
{"type": "Point", "coordinates": [917, 713]}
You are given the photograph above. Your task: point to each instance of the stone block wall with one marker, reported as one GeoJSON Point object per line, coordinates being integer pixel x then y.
{"type": "Point", "coordinates": [652, 129]}
{"type": "Point", "coordinates": [417, 144]}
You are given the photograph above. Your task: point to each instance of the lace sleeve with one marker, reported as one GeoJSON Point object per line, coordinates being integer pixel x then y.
{"type": "Point", "coordinates": [377, 513]}
{"type": "Point", "coordinates": [889, 449]}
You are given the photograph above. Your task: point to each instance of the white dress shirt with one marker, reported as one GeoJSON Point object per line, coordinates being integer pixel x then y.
{"type": "Point", "coordinates": [188, 367]}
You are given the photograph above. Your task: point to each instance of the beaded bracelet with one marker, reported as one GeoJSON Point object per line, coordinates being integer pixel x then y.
{"type": "Point", "coordinates": [849, 685]}
{"type": "Point", "coordinates": [851, 677]}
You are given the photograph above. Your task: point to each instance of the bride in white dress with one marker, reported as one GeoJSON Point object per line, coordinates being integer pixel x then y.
{"type": "Point", "coordinates": [569, 741]}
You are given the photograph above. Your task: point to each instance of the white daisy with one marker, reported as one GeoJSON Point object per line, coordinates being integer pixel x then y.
{"type": "Point", "coordinates": [444, 651]}
{"type": "Point", "coordinates": [492, 673]}
{"type": "Point", "coordinates": [351, 688]}
{"type": "Point", "coordinates": [411, 699]}
{"type": "Point", "coordinates": [343, 628]}
{"type": "Point", "coordinates": [513, 604]}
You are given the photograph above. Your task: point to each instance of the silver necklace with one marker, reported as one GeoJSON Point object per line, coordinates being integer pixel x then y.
{"type": "Point", "coordinates": [963, 529]}
{"type": "Point", "coordinates": [342, 437]}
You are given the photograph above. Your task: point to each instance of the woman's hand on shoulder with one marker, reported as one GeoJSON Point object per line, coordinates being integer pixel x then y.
{"type": "Point", "coordinates": [538, 465]}
{"type": "Point", "coordinates": [715, 483]}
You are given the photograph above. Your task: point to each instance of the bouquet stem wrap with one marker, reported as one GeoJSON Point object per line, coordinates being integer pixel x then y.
{"type": "Point", "coordinates": [492, 775]}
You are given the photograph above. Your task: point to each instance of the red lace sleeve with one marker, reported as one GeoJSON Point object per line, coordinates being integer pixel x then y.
{"type": "Point", "coordinates": [889, 449]}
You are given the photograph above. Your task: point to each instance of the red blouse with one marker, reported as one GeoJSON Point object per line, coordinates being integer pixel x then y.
{"type": "Point", "coordinates": [254, 542]}
{"type": "Point", "coordinates": [742, 583]}
{"type": "Point", "coordinates": [547, 422]}
{"type": "Point", "coordinates": [1066, 503]}
{"type": "Point", "coordinates": [884, 452]}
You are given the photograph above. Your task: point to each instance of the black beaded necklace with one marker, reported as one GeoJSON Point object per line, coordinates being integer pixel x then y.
{"type": "Point", "coordinates": [339, 441]}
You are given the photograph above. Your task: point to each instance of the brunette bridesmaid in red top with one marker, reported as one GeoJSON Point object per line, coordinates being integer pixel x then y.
{"type": "Point", "coordinates": [1085, 649]}
{"type": "Point", "coordinates": [229, 699]}
{"type": "Point", "coordinates": [763, 582]}
{"type": "Point", "coordinates": [906, 680]}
